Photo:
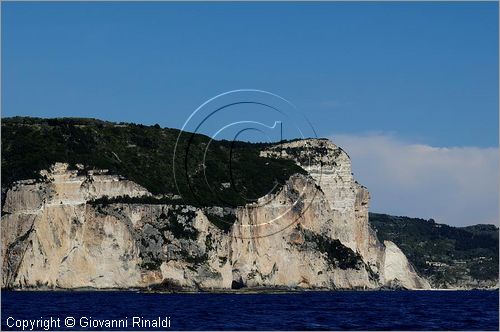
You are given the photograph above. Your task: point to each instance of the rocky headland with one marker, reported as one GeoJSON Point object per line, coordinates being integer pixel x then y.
{"type": "Point", "coordinates": [75, 225]}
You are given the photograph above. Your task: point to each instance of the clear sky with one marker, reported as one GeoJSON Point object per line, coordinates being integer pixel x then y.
{"type": "Point", "coordinates": [419, 73]}
{"type": "Point", "coordinates": [426, 71]}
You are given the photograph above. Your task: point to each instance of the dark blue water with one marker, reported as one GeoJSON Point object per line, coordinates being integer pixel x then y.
{"type": "Point", "coordinates": [383, 310]}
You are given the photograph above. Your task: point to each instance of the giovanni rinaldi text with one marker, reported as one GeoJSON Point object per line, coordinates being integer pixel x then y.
{"type": "Point", "coordinates": [51, 323]}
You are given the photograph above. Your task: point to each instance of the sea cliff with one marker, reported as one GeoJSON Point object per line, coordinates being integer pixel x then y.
{"type": "Point", "coordinates": [79, 227]}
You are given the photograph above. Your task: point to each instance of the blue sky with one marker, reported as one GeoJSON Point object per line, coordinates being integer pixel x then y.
{"type": "Point", "coordinates": [426, 71]}
{"type": "Point", "coordinates": [419, 73]}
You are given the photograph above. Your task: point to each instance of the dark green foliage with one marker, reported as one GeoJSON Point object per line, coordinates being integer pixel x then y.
{"type": "Point", "coordinates": [144, 154]}
{"type": "Point", "coordinates": [338, 255]}
{"type": "Point", "coordinates": [442, 253]}
{"type": "Point", "coordinates": [178, 229]}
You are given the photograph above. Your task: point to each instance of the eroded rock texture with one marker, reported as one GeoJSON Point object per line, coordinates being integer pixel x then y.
{"type": "Point", "coordinates": [312, 233]}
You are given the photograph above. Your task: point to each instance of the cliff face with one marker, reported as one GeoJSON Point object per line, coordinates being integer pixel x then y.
{"type": "Point", "coordinates": [449, 257]}
{"type": "Point", "coordinates": [348, 203]}
{"type": "Point", "coordinates": [312, 233]}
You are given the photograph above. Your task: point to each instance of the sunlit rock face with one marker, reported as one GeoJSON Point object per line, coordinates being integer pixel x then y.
{"type": "Point", "coordinates": [398, 269]}
{"type": "Point", "coordinates": [287, 242]}
{"type": "Point", "coordinates": [312, 233]}
{"type": "Point", "coordinates": [348, 203]}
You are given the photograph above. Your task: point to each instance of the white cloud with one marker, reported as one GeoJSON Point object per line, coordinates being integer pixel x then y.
{"type": "Point", "coordinates": [457, 185]}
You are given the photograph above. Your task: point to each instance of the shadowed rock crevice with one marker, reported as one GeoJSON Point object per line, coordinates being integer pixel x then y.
{"type": "Point", "coordinates": [338, 255]}
{"type": "Point", "coordinates": [117, 222]}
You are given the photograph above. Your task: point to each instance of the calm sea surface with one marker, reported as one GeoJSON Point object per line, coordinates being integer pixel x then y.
{"type": "Point", "coordinates": [382, 310]}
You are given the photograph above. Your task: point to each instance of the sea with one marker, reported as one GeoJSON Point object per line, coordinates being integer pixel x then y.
{"type": "Point", "coordinates": [339, 310]}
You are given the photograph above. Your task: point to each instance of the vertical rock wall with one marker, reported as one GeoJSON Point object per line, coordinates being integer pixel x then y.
{"type": "Point", "coordinates": [312, 233]}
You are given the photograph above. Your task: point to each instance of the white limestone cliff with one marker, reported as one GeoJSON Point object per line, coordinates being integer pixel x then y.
{"type": "Point", "coordinates": [312, 233]}
{"type": "Point", "coordinates": [330, 167]}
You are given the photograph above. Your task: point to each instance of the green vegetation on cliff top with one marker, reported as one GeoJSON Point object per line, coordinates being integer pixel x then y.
{"type": "Point", "coordinates": [447, 256]}
{"type": "Point", "coordinates": [235, 175]}
{"type": "Point", "coordinates": [232, 174]}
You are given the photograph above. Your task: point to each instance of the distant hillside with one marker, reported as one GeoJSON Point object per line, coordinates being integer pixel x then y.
{"type": "Point", "coordinates": [225, 174]}
{"type": "Point", "coordinates": [144, 154]}
{"type": "Point", "coordinates": [447, 256]}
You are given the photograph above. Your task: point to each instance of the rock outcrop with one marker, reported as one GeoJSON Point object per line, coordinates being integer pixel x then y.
{"type": "Point", "coordinates": [348, 202]}
{"type": "Point", "coordinates": [312, 233]}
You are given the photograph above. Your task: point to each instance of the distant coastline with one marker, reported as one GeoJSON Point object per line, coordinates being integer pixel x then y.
{"type": "Point", "coordinates": [91, 212]}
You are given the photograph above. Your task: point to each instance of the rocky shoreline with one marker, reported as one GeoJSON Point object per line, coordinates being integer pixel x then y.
{"type": "Point", "coordinates": [313, 233]}
{"type": "Point", "coordinates": [262, 290]}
